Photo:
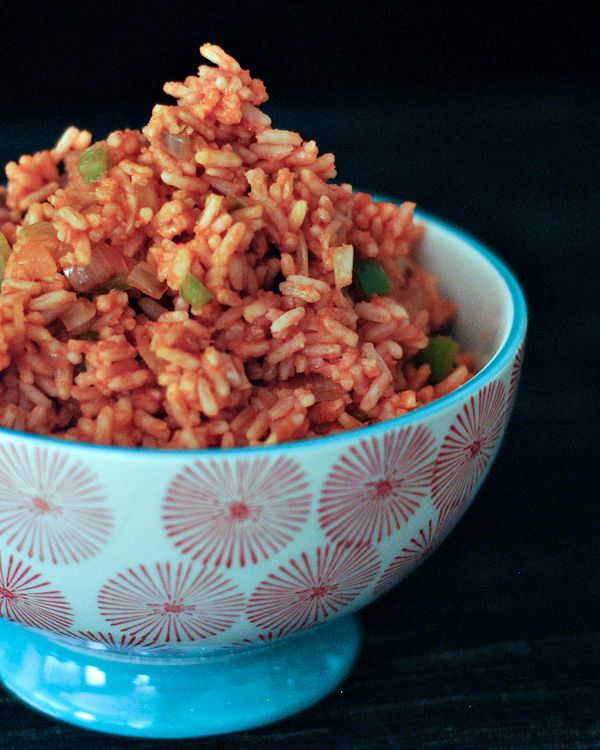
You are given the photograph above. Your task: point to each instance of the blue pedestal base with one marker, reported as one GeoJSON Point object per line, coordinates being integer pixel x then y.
{"type": "Point", "coordinates": [177, 697]}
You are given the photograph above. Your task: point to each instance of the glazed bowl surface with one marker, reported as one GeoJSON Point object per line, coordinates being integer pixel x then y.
{"type": "Point", "coordinates": [180, 552]}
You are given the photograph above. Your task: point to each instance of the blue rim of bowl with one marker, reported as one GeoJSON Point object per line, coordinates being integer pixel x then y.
{"type": "Point", "coordinates": [491, 370]}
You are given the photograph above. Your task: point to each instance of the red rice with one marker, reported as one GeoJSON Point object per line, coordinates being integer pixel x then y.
{"type": "Point", "coordinates": [283, 351]}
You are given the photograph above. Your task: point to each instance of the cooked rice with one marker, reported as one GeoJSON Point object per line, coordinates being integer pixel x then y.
{"type": "Point", "coordinates": [283, 351]}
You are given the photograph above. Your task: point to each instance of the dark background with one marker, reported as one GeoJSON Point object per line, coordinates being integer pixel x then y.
{"type": "Point", "coordinates": [488, 117]}
{"type": "Point", "coordinates": [98, 54]}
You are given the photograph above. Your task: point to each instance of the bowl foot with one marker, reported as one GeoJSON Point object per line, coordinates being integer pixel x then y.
{"type": "Point", "coordinates": [172, 697]}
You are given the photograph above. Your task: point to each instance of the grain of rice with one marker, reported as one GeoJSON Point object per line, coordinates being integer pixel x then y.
{"type": "Point", "coordinates": [104, 424]}
{"type": "Point", "coordinates": [375, 313]}
{"type": "Point", "coordinates": [283, 407]}
{"type": "Point", "coordinates": [258, 427]}
{"type": "Point", "coordinates": [375, 392]}
{"type": "Point", "coordinates": [72, 138]}
{"type": "Point", "coordinates": [208, 402]}
{"type": "Point", "coordinates": [379, 332]}
{"type": "Point", "coordinates": [305, 281]}
{"type": "Point", "coordinates": [215, 158]}
{"type": "Point", "coordinates": [450, 383]}
{"type": "Point", "coordinates": [286, 137]}
{"type": "Point", "coordinates": [304, 293]}
{"type": "Point", "coordinates": [288, 319]}
{"type": "Point", "coordinates": [39, 195]}
{"type": "Point", "coordinates": [73, 218]}
{"type": "Point", "coordinates": [52, 300]}
{"type": "Point", "coordinates": [340, 332]}
{"type": "Point", "coordinates": [323, 350]}
{"type": "Point", "coordinates": [254, 311]}
{"type": "Point", "coordinates": [271, 152]}
{"type": "Point", "coordinates": [35, 395]}
{"type": "Point", "coordinates": [283, 351]}
{"type": "Point", "coordinates": [297, 215]}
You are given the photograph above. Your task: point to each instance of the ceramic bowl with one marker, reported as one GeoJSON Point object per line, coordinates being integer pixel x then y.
{"type": "Point", "coordinates": [186, 593]}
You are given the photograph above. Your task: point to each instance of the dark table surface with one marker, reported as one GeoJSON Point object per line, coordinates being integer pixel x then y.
{"type": "Point", "coordinates": [495, 642]}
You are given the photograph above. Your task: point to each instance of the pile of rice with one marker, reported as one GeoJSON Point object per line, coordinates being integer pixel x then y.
{"type": "Point", "coordinates": [284, 350]}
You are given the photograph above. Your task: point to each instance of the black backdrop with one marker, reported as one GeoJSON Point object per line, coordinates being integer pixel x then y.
{"type": "Point", "coordinates": [489, 117]}
{"type": "Point", "coordinates": [94, 56]}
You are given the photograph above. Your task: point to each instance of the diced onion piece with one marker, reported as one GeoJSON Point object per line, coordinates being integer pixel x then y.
{"type": "Point", "coordinates": [33, 254]}
{"type": "Point", "coordinates": [4, 253]}
{"type": "Point", "coordinates": [150, 308]}
{"type": "Point", "coordinates": [78, 317]}
{"type": "Point", "coordinates": [142, 277]}
{"type": "Point", "coordinates": [106, 262]}
{"type": "Point", "coordinates": [343, 259]}
{"type": "Point", "coordinates": [93, 162]}
{"type": "Point", "coordinates": [113, 256]}
{"type": "Point", "coordinates": [41, 231]}
{"type": "Point", "coordinates": [117, 283]}
{"type": "Point", "coordinates": [143, 337]}
{"type": "Point", "coordinates": [30, 262]}
{"type": "Point", "coordinates": [440, 354]}
{"type": "Point", "coordinates": [194, 292]}
{"type": "Point", "coordinates": [146, 196]}
{"type": "Point", "coordinates": [179, 146]}
{"type": "Point", "coordinates": [369, 278]}
{"type": "Point", "coordinates": [4, 248]}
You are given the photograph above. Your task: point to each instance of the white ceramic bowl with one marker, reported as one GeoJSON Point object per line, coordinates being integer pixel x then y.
{"type": "Point", "coordinates": [188, 558]}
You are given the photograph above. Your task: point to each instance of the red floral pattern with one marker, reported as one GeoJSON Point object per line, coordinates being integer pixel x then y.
{"type": "Point", "coordinates": [377, 486]}
{"type": "Point", "coordinates": [468, 448]}
{"type": "Point", "coordinates": [51, 508]}
{"type": "Point", "coordinates": [119, 642]}
{"type": "Point", "coordinates": [27, 599]}
{"type": "Point", "coordinates": [228, 513]}
{"type": "Point", "coordinates": [420, 546]}
{"type": "Point", "coordinates": [262, 639]}
{"type": "Point", "coordinates": [311, 588]}
{"type": "Point", "coordinates": [168, 603]}
{"type": "Point", "coordinates": [515, 377]}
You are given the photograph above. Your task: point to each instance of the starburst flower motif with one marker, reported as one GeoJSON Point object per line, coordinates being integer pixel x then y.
{"type": "Point", "coordinates": [27, 599]}
{"type": "Point", "coordinates": [312, 587]}
{"type": "Point", "coordinates": [468, 448]}
{"type": "Point", "coordinates": [236, 512]}
{"type": "Point", "coordinates": [515, 377]}
{"type": "Point", "coordinates": [418, 549]}
{"type": "Point", "coordinates": [262, 639]}
{"type": "Point", "coordinates": [168, 603]}
{"type": "Point", "coordinates": [51, 507]}
{"type": "Point", "coordinates": [120, 643]}
{"type": "Point", "coordinates": [377, 486]}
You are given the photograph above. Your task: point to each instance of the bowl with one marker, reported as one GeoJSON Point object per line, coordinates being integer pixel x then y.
{"type": "Point", "coordinates": [187, 593]}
